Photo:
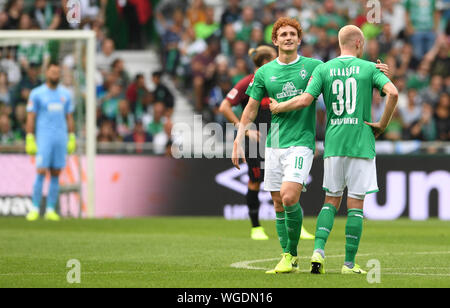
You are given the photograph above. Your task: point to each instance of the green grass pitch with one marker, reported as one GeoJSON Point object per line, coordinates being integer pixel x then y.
{"type": "Point", "coordinates": [211, 252]}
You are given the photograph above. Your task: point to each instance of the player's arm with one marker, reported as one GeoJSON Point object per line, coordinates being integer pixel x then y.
{"type": "Point", "coordinates": [225, 109]}
{"type": "Point", "coordinates": [295, 103]}
{"type": "Point", "coordinates": [391, 102]}
{"type": "Point", "coordinates": [247, 118]}
{"type": "Point", "coordinates": [72, 141]}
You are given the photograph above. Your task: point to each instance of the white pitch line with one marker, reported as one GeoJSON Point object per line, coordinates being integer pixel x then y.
{"type": "Point", "coordinates": [247, 264]}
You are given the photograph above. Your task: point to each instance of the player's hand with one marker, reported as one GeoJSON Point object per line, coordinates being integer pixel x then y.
{"type": "Point", "coordinates": [238, 153]}
{"type": "Point", "coordinates": [253, 135]}
{"type": "Point", "coordinates": [273, 106]}
{"type": "Point", "coordinates": [383, 67]}
{"type": "Point", "coordinates": [71, 144]}
{"type": "Point", "coordinates": [376, 128]}
{"type": "Point", "coordinates": [30, 145]}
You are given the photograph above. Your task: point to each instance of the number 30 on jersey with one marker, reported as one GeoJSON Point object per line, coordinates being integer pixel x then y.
{"type": "Point", "coordinates": [338, 88]}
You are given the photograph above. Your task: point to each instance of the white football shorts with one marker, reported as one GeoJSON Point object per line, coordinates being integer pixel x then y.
{"type": "Point", "coordinates": [291, 164]}
{"type": "Point", "coordinates": [359, 175]}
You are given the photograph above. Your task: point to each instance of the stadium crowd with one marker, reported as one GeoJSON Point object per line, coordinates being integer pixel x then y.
{"type": "Point", "coordinates": [204, 49]}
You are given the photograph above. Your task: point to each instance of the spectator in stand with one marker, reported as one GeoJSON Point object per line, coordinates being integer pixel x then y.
{"type": "Point", "coordinates": [412, 111]}
{"type": "Point", "coordinates": [107, 132]}
{"type": "Point", "coordinates": [156, 125]}
{"type": "Point", "coordinates": [5, 96]}
{"type": "Point", "coordinates": [110, 102]}
{"type": "Point", "coordinates": [44, 15]}
{"type": "Point", "coordinates": [106, 57]}
{"type": "Point", "coordinates": [10, 66]}
{"type": "Point", "coordinates": [118, 69]}
{"type": "Point", "coordinates": [196, 12]}
{"type": "Point", "coordinates": [125, 120]}
{"type": "Point", "coordinates": [393, 13]}
{"type": "Point", "coordinates": [256, 38]}
{"type": "Point", "coordinates": [139, 136]}
{"type": "Point", "coordinates": [422, 20]}
{"type": "Point", "coordinates": [421, 78]}
{"type": "Point", "coordinates": [205, 29]}
{"type": "Point", "coordinates": [13, 10]}
{"type": "Point", "coordinates": [432, 93]}
{"type": "Point", "coordinates": [20, 121]}
{"type": "Point", "coordinates": [7, 136]}
{"type": "Point", "coordinates": [394, 131]}
{"type": "Point", "coordinates": [21, 91]}
{"type": "Point", "coordinates": [170, 42]}
{"type": "Point", "coordinates": [135, 95]}
{"type": "Point", "coordinates": [243, 27]}
{"type": "Point", "coordinates": [330, 20]}
{"type": "Point", "coordinates": [203, 68]}
{"type": "Point", "coordinates": [227, 40]}
{"type": "Point", "coordinates": [162, 94]}
{"type": "Point", "coordinates": [442, 117]}
{"type": "Point", "coordinates": [231, 14]}
{"type": "Point", "coordinates": [425, 128]}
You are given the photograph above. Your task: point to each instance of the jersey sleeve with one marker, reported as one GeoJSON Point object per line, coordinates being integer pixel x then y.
{"type": "Point", "coordinates": [315, 82]}
{"type": "Point", "coordinates": [237, 94]}
{"type": "Point", "coordinates": [379, 79]}
{"type": "Point", "coordinates": [33, 102]}
{"type": "Point", "coordinates": [256, 89]}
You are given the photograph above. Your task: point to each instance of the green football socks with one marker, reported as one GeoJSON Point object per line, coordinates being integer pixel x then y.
{"type": "Point", "coordinates": [280, 225]}
{"type": "Point", "coordinates": [324, 226]}
{"type": "Point", "coordinates": [353, 231]}
{"type": "Point", "coordinates": [294, 219]}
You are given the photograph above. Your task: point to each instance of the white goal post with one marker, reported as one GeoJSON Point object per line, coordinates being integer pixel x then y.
{"type": "Point", "coordinates": [89, 37]}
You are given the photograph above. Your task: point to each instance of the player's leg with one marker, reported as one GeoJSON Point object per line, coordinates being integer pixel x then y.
{"type": "Point", "coordinates": [334, 185]}
{"type": "Point", "coordinates": [255, 178]}
{"type": "Point", "coordinates": [52, 197]}
{"type": "Point", "coordinates": [362, 179]}
{"type": "Point", "coordinates": [297, 162]}
{"type": "Point", "coordinates": [37, 195]}
{"type": "Point", "coordinates": [43, 157]}
{"type": "Point", "coordinates": [59, 152]}
{"type": "Point", "coordinates": [353, 232]}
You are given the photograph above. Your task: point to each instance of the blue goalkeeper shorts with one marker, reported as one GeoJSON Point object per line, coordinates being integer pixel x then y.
{"type": "Point", "coordinates": [51, 153]}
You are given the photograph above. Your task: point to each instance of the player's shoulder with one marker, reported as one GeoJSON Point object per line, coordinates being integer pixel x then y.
{"type": "Point", "coordinates": [312, 61]}
{"type": "Point", "coordinates": [39, 89]}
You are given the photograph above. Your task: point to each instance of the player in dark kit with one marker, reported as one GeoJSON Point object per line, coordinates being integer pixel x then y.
{"type": "Point", "coordinates": [237, 96]}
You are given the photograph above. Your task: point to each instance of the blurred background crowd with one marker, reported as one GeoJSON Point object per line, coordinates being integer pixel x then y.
{"type": "Point", "coordinates": [203, 48]}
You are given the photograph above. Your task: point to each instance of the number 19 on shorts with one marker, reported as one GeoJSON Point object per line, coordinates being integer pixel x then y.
{"type": "Point", "coordinates": [298, 162]}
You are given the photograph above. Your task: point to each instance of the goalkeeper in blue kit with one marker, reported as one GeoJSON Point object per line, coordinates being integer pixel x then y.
{"type": "Point", "coordinates": [50, 136]}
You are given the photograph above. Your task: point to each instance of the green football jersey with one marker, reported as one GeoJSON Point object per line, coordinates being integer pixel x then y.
{"type": "Point", "coordinates": [347, 85]}
{"type": "Point", "coordinates": [282, 82]}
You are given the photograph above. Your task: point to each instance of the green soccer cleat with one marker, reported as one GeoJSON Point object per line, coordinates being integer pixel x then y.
{"type": "Point", "coordinates": [52, 216]}
{"type": "Point", "coordinates": [32, 215]}
{"type": "Point", "coordinates": [295, 269]}
{"type": "Point", "coordinates": [305, 235]}
{"type": "Point", "coordinates": [317, 264]}
{"type": "Point", "coordinates": [355, 270]}
{"type": "Point", "coordinates": [258, 234]}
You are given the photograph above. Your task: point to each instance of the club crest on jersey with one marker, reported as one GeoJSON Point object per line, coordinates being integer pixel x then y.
{"type": "Point", "coordinates": [303, 73]}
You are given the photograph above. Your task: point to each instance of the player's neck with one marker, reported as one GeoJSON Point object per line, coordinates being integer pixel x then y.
{"type": "Point", "coordinates": [348, 53]}
{"type": "Point", "coordinates": [51, 86]}
{"type": "Point", "coordinates": [287, 58]}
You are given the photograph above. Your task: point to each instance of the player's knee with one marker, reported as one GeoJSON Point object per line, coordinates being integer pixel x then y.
{"type": "Point", "coordinates": [289, 199]}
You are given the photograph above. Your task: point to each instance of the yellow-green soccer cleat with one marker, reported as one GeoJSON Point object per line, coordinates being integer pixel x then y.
{"type": "Point", "coordinates": [285, 265]}
{"type": "Point", "coordinates": [355, 270]}
{"type": "Point", "coordinates": [305, 235]}
{"type": "Point", "coordinates": [52, 215]}
{"type": "Point", "coordinates": [32, 215]}
{"type": "Point", "coordinates": [295, 269]}
{"type": "Point", "coordinates": [258, 234]}
{"type": "Point", "coordinates": [317, 264]}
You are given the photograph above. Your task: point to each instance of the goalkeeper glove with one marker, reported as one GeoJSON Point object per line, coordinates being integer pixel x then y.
{"type": "Point", "coordinates": [30, 144]}
{"type": "Point", "coordinates": [72, 143]}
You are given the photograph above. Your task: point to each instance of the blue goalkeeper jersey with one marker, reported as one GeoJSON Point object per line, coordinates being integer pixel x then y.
{"type": "Point", "coordinates": [51, 107]}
